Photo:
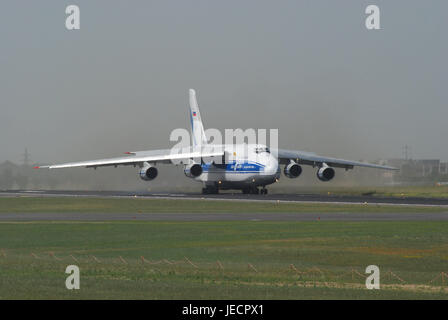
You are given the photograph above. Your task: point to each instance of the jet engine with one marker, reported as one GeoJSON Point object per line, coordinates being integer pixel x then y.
{"type": "Point", "coordinates": [148, 173]}
{"type": "Point", "coordinates": [193, 170]}
{"type": "Point", "coordinates": [325, 173]}
{"type": "Point", "coordinates": [292, 170]}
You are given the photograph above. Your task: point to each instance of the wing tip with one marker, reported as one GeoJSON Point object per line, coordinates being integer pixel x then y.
{"type": "Point", "coordinates": [42, 167]}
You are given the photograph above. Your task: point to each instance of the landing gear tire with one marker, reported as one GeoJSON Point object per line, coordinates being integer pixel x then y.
{"type": "Point", "coordinates": [210, 190]}
{"type": "Point", "coordinates": [264, 191]}
{"type": "Point", "coordinates": [251, 190]}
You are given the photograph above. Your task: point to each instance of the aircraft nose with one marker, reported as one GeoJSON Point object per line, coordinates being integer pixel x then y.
{"type": "Point", "coordinates": [272, 166]}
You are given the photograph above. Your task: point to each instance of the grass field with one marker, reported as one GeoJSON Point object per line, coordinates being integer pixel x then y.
{"type": "Point", "coordinates": [217, 260]}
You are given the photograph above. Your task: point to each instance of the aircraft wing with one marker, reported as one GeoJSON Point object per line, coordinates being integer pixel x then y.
{"type": "Point", "coordinates": [175, 156]}
{"type": "Point", "coordinates": [309, 158]}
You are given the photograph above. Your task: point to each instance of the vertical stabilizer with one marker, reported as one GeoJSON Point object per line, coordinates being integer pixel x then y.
{"type": "Point", "coordinates": [197, 129]}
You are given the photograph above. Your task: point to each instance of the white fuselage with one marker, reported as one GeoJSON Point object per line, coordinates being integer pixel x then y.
{"type": "Point", "coordinates": [245, 165]}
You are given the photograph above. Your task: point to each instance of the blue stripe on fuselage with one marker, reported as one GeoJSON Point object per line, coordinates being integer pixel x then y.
{"type": "Point", "coordinates": [230, 167]}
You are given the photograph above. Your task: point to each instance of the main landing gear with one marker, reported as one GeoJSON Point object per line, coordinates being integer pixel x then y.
{"type": "Point", "coordinates": [210, 190]}
{"type": "Point", "coordinates": [255, 190]}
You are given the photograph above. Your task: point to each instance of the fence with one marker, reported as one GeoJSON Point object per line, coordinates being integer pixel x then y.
{"type": "Point", "coordinates": [314, 273]}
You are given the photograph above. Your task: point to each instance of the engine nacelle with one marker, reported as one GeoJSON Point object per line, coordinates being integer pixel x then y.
{"type": "Point", "coordinates": [325, 173]}
{"type": "Point", "coordinates": [148, 173]}
{"type": "Point", "coordinates": [292, 170]}
{"type": "Point", "coordinates": [193, 170]}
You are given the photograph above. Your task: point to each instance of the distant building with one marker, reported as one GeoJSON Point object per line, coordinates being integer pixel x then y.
{"type": "Point", "coordinates": [443, 168]}
{"type": "Point", "coordinates": [8, 171]}
{"type": "Point", "coordinates": [429, 167]}
{"type": "Point", "coordinates": [413, 170]}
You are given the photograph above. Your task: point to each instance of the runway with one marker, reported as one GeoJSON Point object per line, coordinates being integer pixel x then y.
{"type": "Point", "coordinates": [300, 197]}
{"type": "Point", "coordinates": [243, 216]}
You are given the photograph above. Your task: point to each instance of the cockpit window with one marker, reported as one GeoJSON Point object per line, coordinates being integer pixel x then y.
{"type": "Point", "coordinates": [263, 149]}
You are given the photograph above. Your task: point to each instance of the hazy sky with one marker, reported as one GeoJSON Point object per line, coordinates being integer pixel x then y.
{"type": "Point", "coordinates": [309, 68]}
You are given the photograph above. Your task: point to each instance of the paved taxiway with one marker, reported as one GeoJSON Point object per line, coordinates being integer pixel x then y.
{"type": "Point", "coordinates": [274, 216]}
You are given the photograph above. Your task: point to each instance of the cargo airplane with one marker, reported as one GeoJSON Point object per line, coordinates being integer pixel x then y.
{"type": "Point", "coordinates": [246, 167]}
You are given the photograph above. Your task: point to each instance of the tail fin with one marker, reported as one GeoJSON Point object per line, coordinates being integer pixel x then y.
{"type": "Point", "coordinates": [197, 129]}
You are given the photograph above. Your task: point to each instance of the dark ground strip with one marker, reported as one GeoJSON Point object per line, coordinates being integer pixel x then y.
{"type": "Point", "coordinates": [76, 216]}
{"type": "Point", "coordinates": [238, 196]}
